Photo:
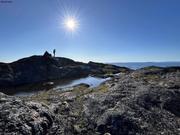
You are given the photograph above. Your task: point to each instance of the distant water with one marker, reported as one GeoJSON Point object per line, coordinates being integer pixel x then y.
{"type": "Point", "coordinates": [137, 65]}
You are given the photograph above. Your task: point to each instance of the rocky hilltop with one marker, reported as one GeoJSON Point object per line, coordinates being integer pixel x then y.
{"type": "Point", "coordinates": [141, 102]}
{"type": "Point", "coordinates": [36, 69]}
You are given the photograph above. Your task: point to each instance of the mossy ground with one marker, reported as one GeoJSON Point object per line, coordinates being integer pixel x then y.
{"type": "Point", "coordinates": [78, 92]}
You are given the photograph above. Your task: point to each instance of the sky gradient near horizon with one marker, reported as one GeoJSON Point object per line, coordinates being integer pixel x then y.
{"type": "Point", "coordinates": [109, 30]}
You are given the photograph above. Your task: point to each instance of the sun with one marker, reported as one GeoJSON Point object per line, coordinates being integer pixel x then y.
{"type": "Point", "coordinates": [71, 24]}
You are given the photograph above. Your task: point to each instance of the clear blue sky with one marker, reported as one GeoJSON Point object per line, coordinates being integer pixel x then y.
{"type": "Point", "coordinates": [109, 31]}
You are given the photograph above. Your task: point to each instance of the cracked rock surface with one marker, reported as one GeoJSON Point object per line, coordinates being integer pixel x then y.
{"type": "Point", "coordinates": [19, 117]}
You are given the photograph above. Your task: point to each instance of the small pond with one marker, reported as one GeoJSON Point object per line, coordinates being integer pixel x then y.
{"type": "Point", "coordinates": [26, 90]}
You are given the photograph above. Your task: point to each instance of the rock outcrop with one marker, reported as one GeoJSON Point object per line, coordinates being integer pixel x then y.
{"type": "Point", "coordinates": [18, 117]}
{"type": "Point", "coordinates": [142, 102]}
{"type": "Point", "coordinates": [36, 69]}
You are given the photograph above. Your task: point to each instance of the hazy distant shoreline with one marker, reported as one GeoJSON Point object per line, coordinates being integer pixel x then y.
{"type": "Point", "coordinates": [137, 65]}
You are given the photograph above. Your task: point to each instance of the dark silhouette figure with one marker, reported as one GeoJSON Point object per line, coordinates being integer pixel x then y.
{"type": "Point", "coordinates": [54, 52]}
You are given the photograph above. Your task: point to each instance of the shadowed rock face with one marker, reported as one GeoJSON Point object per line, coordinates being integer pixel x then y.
{"type": "Point", "coordinates": [45, 68]}
{"type": "Point", "coordinates": [6, 74]}
{"type": "Point", "coordinates": [117, 125]}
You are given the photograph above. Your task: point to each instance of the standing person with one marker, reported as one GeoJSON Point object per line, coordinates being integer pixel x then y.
{"type": "Point", "coordinates": [54, 52]}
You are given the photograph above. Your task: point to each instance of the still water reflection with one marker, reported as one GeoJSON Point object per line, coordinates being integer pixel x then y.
{"type": "Point", "coordinates": [26, 90]}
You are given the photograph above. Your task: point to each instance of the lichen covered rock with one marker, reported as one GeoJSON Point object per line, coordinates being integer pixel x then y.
{"type": "Point", "coordinates": [24, 118]}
